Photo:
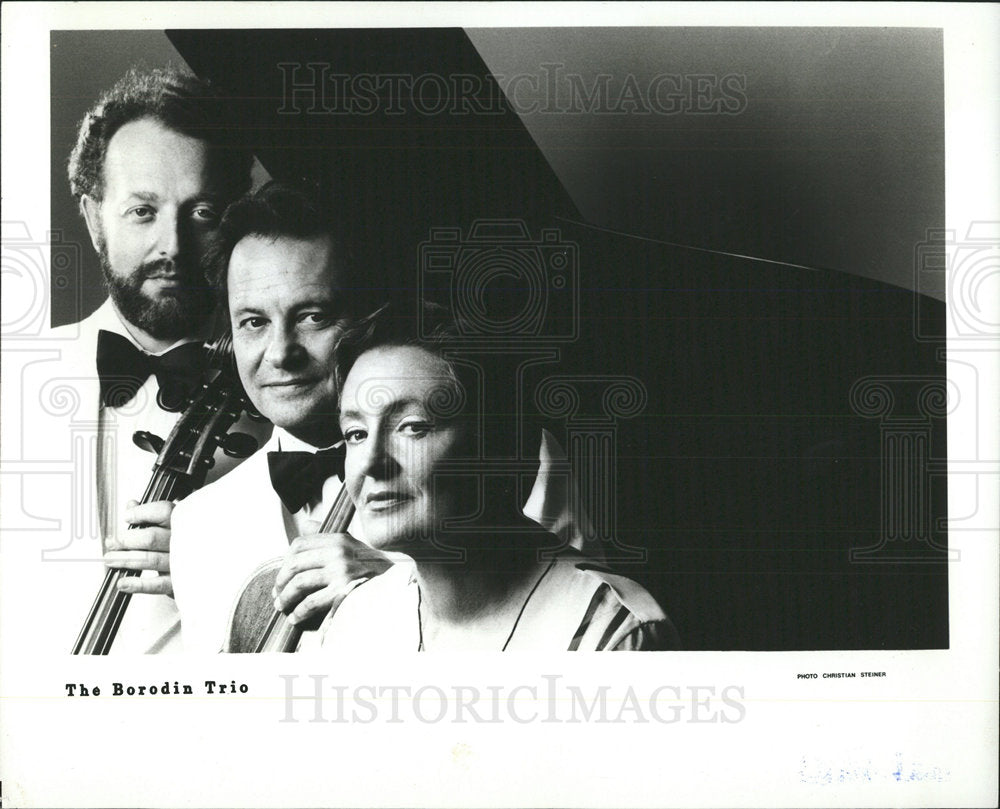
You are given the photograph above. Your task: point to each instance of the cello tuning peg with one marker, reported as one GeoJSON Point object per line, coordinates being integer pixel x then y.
{"type": "Point", "coordinates": [172, 398]}
{"type": "Point", "coordinates": [238, 445]}
{"type": "Point", "coordinates": [254, 414]}
{"type": "Point", "coordinates": [147, 441]}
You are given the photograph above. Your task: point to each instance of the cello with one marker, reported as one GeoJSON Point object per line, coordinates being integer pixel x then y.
{"type": "Point", "coordinates": [182, 463]}
{"type": "Point", "coordinates": [256, 626]}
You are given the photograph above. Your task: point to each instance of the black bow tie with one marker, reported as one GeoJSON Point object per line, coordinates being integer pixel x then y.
{"type": "Point", "coordinates": [298, 477]}
{"type": "Point", "coordinates": [123, 369]}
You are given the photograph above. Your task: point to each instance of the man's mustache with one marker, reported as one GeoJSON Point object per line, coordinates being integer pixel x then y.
{"type": "Point", "coordinates": [168, 268]}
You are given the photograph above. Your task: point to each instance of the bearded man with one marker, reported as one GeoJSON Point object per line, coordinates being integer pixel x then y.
{"type": "Point", "coordinates": [152, 173]}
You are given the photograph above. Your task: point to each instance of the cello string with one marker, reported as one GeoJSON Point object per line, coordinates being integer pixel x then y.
{"type": "Point", "coordinates": [107, 611]}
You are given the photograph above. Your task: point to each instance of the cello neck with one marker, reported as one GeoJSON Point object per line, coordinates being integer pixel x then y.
{"type": "Point", "coordinates": [182, 463]}
{"type": "Point", "coordinates": [280, 634]}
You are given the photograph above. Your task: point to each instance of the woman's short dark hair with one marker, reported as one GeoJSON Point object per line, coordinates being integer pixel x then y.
{"type": "Point", "coordinates": [431, 327]}
{"type": "Point", "coordinates": [177, 99]}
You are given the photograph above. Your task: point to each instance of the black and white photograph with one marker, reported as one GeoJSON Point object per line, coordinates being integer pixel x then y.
{"type": "Point", "coordinates": [338, 335]}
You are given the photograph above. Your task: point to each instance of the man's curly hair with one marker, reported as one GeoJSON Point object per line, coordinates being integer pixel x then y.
{"type": "Point", "coordinates": [177, 99]}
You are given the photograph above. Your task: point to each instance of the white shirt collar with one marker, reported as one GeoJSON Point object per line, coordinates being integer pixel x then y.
{"type": "Point", "coordinates": [289, 443]}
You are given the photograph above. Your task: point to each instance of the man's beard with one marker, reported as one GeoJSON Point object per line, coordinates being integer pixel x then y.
{"type": "Point", "coordinates": [177, 312]}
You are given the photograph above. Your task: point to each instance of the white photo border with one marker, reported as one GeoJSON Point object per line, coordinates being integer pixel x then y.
{"type": "Point", "coordinates": [925, 736]}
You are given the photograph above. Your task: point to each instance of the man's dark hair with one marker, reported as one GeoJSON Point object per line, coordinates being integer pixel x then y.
{"type": "Point", "coordinates": [177, 99]}
{"type": "Point", "coordinates": [279, 210]}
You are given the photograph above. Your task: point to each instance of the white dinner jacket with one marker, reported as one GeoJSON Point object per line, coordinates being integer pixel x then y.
{"type": "Point", "coordinates": [220, 536]}
{"type": "Point", "coordinates": [51, 455]}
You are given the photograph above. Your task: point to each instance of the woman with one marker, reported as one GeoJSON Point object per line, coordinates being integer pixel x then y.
{"type": "Point", "coordinates": [483, 576]}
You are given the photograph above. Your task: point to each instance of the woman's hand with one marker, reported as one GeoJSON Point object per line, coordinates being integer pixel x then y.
{"type": "Point", "coordinates": [318, 568]}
